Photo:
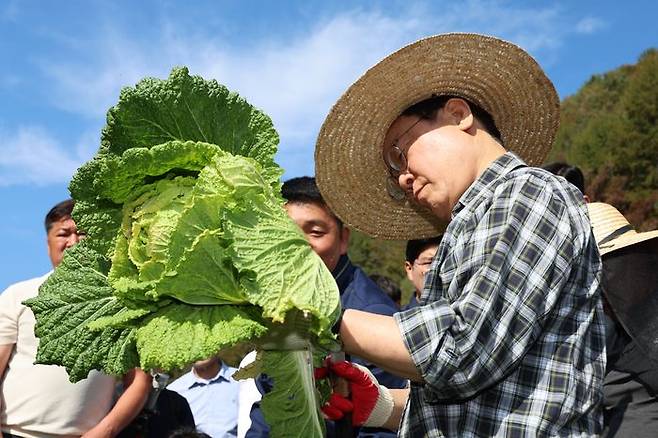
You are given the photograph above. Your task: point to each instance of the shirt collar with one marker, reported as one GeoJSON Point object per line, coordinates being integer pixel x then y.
{"type": "Point", "coordinates": [496, 170]}
{"type": "Point", "coordinates": [343, 272]}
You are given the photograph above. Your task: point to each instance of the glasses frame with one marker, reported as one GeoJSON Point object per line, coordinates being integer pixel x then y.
{"type": "Point", "coordinates": [425, 263]}
{"type": "Point", "coordinates": [397, 165]}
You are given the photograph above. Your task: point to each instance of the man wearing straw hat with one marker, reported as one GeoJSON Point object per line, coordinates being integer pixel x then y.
{"type": "Point", "coordinates": [508, 339]}
{"type": "Point", "coordinates": [630, 262]}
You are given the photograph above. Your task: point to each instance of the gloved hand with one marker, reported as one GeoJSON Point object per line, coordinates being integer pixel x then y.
{"type": "Point", "coordinates": [371, 404]}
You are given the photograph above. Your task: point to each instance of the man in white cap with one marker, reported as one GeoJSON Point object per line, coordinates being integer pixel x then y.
{"type": "Point", "coordinates": [508, 338]}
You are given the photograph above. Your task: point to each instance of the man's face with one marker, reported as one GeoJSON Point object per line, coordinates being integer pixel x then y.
{"type": "Point", "coordinates": [441, 160]}
{"type": "Point", "coordinates": [206, 363]}
{"type": "Point", "coordinates": [63, 234]}
{"type": "Point", "coordinates": [322, 231]}
{"type": "Point", "coordinates": [416, 271]}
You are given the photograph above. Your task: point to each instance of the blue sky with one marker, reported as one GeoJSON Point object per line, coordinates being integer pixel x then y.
{"type": "Point", "coordinates": [65, 62]}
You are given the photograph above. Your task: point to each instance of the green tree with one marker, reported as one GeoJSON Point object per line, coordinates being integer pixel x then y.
{"type": "Point", "coordinates": [383, 257]}
{"type": "Point", "coordinates": [609, 128]}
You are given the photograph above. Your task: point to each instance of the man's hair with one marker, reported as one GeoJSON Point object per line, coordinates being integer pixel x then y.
{"type": "Point", "coordinates": [416, 246]}
{"type": "Point", "coordinates": [304, 190]}
{"type": "Point", "coordinates": [427, 109]}
{"type": "Point", "coordinates": [571, 173]}
{"type": "Point", "coordinates": [389, 286]}
{"type": "Point", "coordinates": [61, 210]}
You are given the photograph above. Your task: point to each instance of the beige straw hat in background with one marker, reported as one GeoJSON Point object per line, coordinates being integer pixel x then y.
{"type": "Point", "coordinates": [612, 230]}
{"type": "Point", "coordinates": [495, 74]}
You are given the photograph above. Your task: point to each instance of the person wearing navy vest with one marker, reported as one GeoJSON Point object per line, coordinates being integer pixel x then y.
{"type": "Point", "coordinates": [329, 238]}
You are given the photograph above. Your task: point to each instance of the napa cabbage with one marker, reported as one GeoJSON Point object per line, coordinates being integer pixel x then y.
{"type": "Point", "coordinates": [189, 251]}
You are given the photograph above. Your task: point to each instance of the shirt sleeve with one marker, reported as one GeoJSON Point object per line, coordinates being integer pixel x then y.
{"type": "Point", "coordinates": [248, 395]}
{"type": "Point", "coordinates": [8, 317]}
{"type": "Point", "coordinates": [507, 278]}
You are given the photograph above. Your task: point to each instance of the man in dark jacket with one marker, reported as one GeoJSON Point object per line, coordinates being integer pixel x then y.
{"type": "Point", "coordinates": [330, 239]}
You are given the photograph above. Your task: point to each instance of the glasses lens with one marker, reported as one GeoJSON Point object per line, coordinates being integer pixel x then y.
{"type": "Point", "coordinates": [394, 190]}
{"type": "Point", "coordinates": [396, 159]}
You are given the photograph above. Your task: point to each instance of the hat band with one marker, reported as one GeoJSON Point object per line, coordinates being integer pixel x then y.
{"type": "Point", "coordinates": [616, 233]}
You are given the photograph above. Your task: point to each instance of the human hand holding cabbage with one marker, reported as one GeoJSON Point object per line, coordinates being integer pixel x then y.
{"type": "Point", "coordinates": [364, 399]}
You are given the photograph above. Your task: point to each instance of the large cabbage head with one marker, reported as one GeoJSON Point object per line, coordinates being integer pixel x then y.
{"type": "Point", "coordinates": [189, 249]}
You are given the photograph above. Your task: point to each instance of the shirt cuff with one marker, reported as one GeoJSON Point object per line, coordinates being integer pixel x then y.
{"type": "Point", "coordinates": [423, 329]}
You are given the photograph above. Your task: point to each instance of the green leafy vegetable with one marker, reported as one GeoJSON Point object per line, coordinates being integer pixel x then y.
{"type": "Point", "coordinates": [291, 406]}
{"type": "Point", "coordinates": [74, 295]}
{"type": "Point", "coordinates": [190, 252]}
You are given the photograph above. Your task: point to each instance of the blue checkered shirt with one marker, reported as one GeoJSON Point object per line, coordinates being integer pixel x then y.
{"type": "Point", "coordinates": [509, 335]}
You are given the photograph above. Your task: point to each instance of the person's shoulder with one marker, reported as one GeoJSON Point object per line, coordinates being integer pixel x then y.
{"type": "Point", "coordinates": [541, 192]}
{"type": "Point", "coordinates": [25, 289]}
{"type": "Point", "coordinates": [228, 372]}
{"type": "Point", "coordinates": [182, 383]}
{"type": "Point", "coordinates": [30, 283]}
{"type": "Point", "coordinates": [367, 296]}
{"type": "Point", "coordinates": [537, 183]}
{"type": "Point", "coordinates": [531, 174]}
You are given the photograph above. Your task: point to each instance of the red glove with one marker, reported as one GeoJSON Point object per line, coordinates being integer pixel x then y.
{"type": "Point", "coordinates": [370, 403]}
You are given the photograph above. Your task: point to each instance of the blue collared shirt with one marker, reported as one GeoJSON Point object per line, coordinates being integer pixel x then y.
{"type": "Point", "coordinates": [214, 402]}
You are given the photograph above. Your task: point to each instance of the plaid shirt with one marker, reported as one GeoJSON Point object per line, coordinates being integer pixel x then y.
{"type": "Point", "coordinates": [509, 337]}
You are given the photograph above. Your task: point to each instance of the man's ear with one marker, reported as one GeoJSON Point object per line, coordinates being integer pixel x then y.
{"type": "Point", "coordinates": [460, 113]}
{"type": "Point", "coordinates": [408, 267]}
{"type": "Point", "coordinates": [344, 240]}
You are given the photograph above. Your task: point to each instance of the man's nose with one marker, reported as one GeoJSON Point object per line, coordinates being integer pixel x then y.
{"type": "Point", "coordinates": [72, 240]}
{"type": "Point", "coordinates": [406, 180]}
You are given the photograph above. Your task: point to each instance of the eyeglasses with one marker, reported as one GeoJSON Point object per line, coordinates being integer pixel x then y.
{"type": "Point", "coordinates": [396, 162]}
{"type": "Point", "coordinates": [423, 263]}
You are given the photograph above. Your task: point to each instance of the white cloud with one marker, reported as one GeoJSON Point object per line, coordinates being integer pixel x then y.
{"type": "Point", "coordinates": [590, 25]}
{"type": "Point", "coordinates": [32, 156]}
{"type": "Point", "coordinates": [294, 81]}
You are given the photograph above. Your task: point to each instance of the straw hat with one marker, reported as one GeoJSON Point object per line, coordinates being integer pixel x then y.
{"type": "Point", "coordinates": [498, 76]}
{"type": "Point", "coordinates": [611, 229]}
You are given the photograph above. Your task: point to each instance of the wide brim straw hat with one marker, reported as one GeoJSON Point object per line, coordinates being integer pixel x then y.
{"type": "Point", "coordinates": [497, 75]}
{"type": "Point", "coordinates": [612, 231]}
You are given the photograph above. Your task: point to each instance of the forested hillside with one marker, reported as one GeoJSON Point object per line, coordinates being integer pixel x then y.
{"type": "Point", "coordinates": [609, 128]}
{"type": "Point", "coordinates": [383, 257]}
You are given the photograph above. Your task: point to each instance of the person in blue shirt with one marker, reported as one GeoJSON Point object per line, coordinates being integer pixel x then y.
{"type": "Point", "coordinates": [212, 394]}
{"type": "Point", "coordinates": [417, 261]}
{"type": "Point", "coordinates": [329, 238]}
{"type": "Point", "coordinates": [389, 286]}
